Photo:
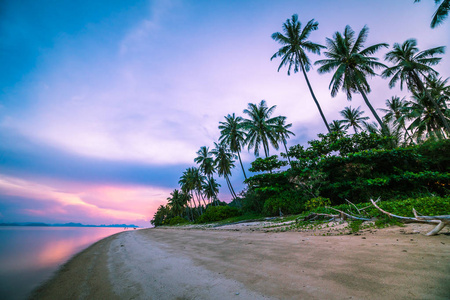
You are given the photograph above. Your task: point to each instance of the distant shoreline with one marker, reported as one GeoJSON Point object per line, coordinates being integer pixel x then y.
{"type": "Point", "coordinates": [35, 224]}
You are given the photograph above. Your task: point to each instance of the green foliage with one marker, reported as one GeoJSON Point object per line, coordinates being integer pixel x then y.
{"type": "Point", "coordinates": [317, 202]}
{"type": "Point", "coordinates": [176, 221]}
{"type": "Point", "coordinates": [217, 213]}
{"type": "Point", "coordinates": [267, 164]}
{"type": "Point", "coordinates": [355, 225]}
{"type": "Point", "coordinates": [287, 202]}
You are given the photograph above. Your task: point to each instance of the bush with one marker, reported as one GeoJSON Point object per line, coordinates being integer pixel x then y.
{"type": "Point", "coordinates": [217, 213]}
{"type": "Point", "coordinates": [288, 202]}
{"type": "Point", "coordinates": [314, 203]}
{"type": "Point", "coordinates": [177, 220]}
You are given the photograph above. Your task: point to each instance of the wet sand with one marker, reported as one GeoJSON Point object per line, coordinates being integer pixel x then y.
{"type": "Point", "coordinates": [392, 263]}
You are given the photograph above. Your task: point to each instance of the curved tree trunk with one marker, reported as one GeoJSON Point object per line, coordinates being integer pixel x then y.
{"type": "Point", "coordinates": [242, 166]}
{"type": "Point", "coordinates": [315, 100]}
{"type": "Point", "coordinates": [374, 113]}
{"type": "Point", "coordinates": [287, 153]}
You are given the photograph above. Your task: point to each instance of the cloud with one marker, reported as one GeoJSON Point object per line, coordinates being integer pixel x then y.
{"type": "Point", "coordinates": [95, 204]}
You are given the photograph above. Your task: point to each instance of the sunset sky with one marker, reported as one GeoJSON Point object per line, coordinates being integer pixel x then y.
{"type": "Point", "coordinates": [103, 104]}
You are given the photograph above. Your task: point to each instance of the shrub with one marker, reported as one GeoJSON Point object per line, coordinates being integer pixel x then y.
{"type": "Point", "coordinates": [314, 203]}
{"type": "Point", "coordinates": [288, 202]}
{"type": "Point", "coordinates": [177, 220]}
{"type": "Point", "coordinates": [217, 213]}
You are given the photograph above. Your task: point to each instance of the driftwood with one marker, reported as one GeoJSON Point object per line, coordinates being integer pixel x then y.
{"type": "Point", "coordinates": [441, 221]}
{"type": "Point", "coordinates": [348, 215]}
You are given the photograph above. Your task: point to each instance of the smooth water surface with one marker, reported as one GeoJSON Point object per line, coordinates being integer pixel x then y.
{"type": "Point", "coordinates": [30, 255]}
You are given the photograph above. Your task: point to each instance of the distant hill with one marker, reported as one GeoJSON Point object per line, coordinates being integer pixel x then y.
{"type": "Point", "coordinates": [71, 224]}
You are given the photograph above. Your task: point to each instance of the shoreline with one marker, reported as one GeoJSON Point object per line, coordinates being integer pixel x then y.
{"type": "Point", "coordinates": [176, 263]}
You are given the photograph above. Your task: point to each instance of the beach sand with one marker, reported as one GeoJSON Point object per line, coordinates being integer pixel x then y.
{"type": "Point", "coordinates": [239, 263]}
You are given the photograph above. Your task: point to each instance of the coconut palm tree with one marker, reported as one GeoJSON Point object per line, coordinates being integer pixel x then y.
{"type": "Point", "coordinates": [177, 202]}
{"type": "Point", "coordinates": [282, 131]}
{"type": "Point", "coordinates": [413, 67]}
{"type": "Point", "coordinates": [233, 135]}
{"type": "Point", "coordinates": [353, 118]}
{"type": "Point", "coordinates": [260, 127]}
{"type": "Point", "coordinates": [440, 14]}
{"type": "Point", "coordinates": [224, 163]}
{"type": "Point", "coordinates": [352, 64]}
{"type": "Point", "coordinates": [191, 182]}
{"type": "Point", "coordinates": [294, 43]}
{"type": "Point", "coordinates": [337, 126]}
{"type": "Point", "coordinates": [206, 162]}
{"type": "Point", "coordinates": [397, 112]}
{"type": "Point", "coordinates": [211, 189]}
{"type": "Point", "coordinates": [425, 121]}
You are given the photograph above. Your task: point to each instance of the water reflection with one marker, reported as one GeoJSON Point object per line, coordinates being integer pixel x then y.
{"type": "Point", "coordinates": [30, 255]}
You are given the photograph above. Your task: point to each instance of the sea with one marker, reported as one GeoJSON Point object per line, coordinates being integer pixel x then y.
{"type": "Point", "coordinates": [30, 255]}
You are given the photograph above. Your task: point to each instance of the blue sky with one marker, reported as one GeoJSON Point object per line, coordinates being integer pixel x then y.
{"type": "Point", "coordinates": [103, 104]}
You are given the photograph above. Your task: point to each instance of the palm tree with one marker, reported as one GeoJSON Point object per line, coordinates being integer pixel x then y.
{"type": "Point", "coordinates": [206, 162]}
{"type": "Point", "coordinates": [177, 202]}
{"type": "Point", "coordinates": [441, 13]}
{"type": "Point", "coordinates": [191, 182]}
{"type": "Point", "coordinates": [260, 127]}
{"type": "Point", "coordinates": [282, 131]}
{"type": "Point", "coordinates": [353, 118]}
{"type": "Point", "coordinates": [233, 135]}
{"type": "Point", "coordinates": [413, 67]}
{"type": "Point", "coordinates": [294, 43]}
{"type": "Point", "coordinates": [211, 189]}
{"type": "Point", "coordinates": [397, 113]}
{"type": "Point", "coordinates": [425, 121]}
{"type": "Point", "coordinates": [352, 64]}
{"type": "Point", "coordinates": [224, 163]}
{"type": "Point", "coordinates": [337, 126]}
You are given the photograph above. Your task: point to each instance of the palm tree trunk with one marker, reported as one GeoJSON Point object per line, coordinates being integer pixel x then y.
{"type": "Point", "coordinates": [374, 113]}
{"type": "Point", "coordinates": [436, 106]}
{"type": "Point", "coordinates": [242, 166]}
{"type": "Point", "coordinates": [315, 100]}
{"type": "Point", "coordinates": [233, 194]}
{"type": "Point", "coordinates": [287, 153]}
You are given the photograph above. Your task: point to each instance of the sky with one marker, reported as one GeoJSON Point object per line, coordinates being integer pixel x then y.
{"type": "Point", "coordinates": [103, 104]}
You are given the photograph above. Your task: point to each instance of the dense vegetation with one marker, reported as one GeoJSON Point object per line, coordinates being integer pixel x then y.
{"type": "Point", "coordinates": [402, 158]}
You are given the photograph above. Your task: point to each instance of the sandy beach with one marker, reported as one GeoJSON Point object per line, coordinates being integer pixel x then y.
{"type": "Point", "coordinates": [240, 263]}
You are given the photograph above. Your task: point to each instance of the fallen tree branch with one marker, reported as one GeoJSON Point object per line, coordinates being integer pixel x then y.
{"type": "Point", "coordinates": [348, 215]}
{"type": "Point", "coordinates": [442, 221]}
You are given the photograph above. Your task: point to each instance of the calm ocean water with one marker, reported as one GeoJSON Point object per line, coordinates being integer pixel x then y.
{"type": "Point", "coordinates": [30, 255]}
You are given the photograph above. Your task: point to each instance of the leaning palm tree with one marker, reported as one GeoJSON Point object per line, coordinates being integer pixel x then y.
{"type": "Point", "coordinates": [353, 118]}
{"type": "Point", "coordinates": [205, 161]}
{"type": "Point", "coordinates": [260, 127]}
{"type": "Point", "coordinates": [294, 44]}
{"type": "Point", "coordinates": [282, 131]}
{"type": "Point", "coordinates": [224, 163]}
{"type": "Point", "coordinates": [352, 64]}
{"type": "Point", "coordinates": [233, 135]}
{"type": "Point", "coordinates": [413, 67]}
{"type": "Point", "coordinates": [337, 126]}
{"type": "Point", "coordinates": [441, 13]}
{"type": "Point", "coordinates": [191, 182]}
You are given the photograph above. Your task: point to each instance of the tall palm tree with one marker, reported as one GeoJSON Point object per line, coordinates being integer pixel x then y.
{"type": "Point", "coordinates": [260, 127]}
{"type": "Point", "coordinates": [206, 162]}
{"type": "Point", "coordinates": [413, 67]}
{"type": "Point", "coordinates": [191, 182]}
{"type": "Point", "coordinates": [440, 14]}
{"type": "Point", "coordinates": [397, 112]}
{"type": "Point", "coordinates": [282, 131]}
{"type": "Point", "coordinates": [224, 163]}
{"type": "Point", "coordinates": [294, 44]}
{"type": "Point", "coordinates": [352, 64]}
{"type": "Point", "coordinates": [337, 126]}
{"type": "Point", "coordinates": [233, 135]}
{"type": "Point", "coordinates": [211, 189]}
{"type": "Point", "coordinates": [353, 118]}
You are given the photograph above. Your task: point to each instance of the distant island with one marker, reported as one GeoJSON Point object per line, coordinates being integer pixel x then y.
{"type": "Point", "coordinates": [71, 224]}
